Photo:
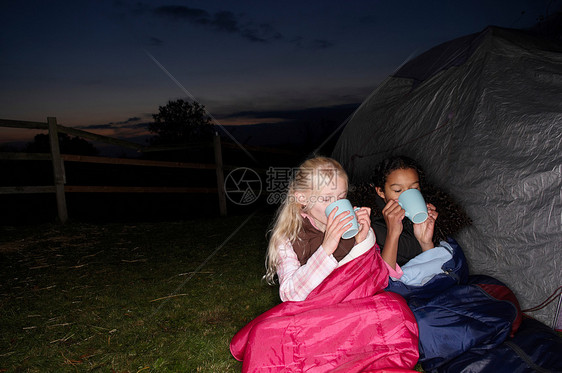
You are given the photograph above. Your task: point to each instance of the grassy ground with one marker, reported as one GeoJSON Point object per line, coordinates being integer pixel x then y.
{"type": "Point", "coordinates": [146, 297]}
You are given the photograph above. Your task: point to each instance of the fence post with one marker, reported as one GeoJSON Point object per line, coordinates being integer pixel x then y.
{"type": "Point", "coordinates": [220, 173]}
{"type": "Point", "coordinates": [58, 169]}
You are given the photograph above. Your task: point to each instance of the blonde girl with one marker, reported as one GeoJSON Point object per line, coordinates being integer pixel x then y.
{"type": "Point", "coordinates": [306, 245]}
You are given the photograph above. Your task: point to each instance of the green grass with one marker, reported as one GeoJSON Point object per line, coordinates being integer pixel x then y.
{"type": "Point", "coordinates": [146, 297]}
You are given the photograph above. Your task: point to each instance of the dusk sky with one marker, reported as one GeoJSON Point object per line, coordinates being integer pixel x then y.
{"type": "Point", "coordinates": [106, 66]}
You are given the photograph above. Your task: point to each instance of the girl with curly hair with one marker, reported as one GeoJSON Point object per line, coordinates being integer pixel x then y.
{"type": "Point", "coordinates": [393, 232]}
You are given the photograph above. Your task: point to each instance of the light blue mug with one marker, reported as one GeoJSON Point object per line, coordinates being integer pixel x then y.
{"type": "Point", "coordinates": [412, 201]}
{"type": "Point", "coordinates": [344, 206]}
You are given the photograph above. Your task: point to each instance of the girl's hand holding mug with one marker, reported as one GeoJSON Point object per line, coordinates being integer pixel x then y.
{"type": "Point", "coordinates": [335, 228]}
{"type": "Point", "coordinates": [364, 219]}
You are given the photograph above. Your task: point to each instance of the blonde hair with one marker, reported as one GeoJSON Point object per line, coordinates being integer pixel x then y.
{"type": "Point", "coordinates": [308, 179]}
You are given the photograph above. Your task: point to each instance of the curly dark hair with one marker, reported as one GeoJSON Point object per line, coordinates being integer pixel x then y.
{"type": "Point", "coordinates": [452, 216]}
{"type": "Point", "coordinates": [387, 166]}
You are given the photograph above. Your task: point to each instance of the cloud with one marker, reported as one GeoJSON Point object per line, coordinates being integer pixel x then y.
{"type": "Point", "coordinates": [307, 114]}
{"type": "Point", "coordinates": [305, 127]}
{"type": "Point", "coordinates": [95, 127]}
{"type": "Point", "coordinates": [266, 127]}
{"type": "Point", "coordinates": [130, 130]}
{"type": "Point", "coordinates": [224, 21]}
{"type": "Point", "coordinates": [132, 119]}
{"type": "Point", "coordinates": [229, 22]}
{"type": "Point", "coordinates": [129, 123]}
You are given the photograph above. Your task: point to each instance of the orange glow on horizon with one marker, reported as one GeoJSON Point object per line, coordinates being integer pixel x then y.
{"type": "Point", "coordinates": [21, 135]}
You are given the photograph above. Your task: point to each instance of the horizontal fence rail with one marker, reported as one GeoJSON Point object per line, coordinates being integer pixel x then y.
{"type": "Point", "coordinates": [27, 189]}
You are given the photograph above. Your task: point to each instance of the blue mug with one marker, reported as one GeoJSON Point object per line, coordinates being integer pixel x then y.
{"type": "Point", "coordinates": [412, 201]}
{"type": "Point", "coordinates": [344, 206]}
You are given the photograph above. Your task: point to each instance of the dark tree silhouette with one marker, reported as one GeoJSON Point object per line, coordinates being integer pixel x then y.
{"type": "Point", "coordinates": [180, 122]}
{"type": "Point", "coordinates": [67, 145]}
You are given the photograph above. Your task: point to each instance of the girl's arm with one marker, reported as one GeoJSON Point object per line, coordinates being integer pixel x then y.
{"type": "Point", "coordinates": [393, 215]}
{"type": "Point", "coordinates": [296, 282]}
{"type": "Point", "coordinates": [424, 231]}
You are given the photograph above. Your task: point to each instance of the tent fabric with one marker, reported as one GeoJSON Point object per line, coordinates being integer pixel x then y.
{"type": "Point", "coordinates": [483, 115]}
{"type": "Point", "coordinates": [347, 324]}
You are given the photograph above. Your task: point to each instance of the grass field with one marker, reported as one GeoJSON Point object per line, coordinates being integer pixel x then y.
{"type": "Point", "coordinates": [146, 297]}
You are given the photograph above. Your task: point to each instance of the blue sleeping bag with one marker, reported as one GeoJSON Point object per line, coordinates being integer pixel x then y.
{"type": "Point", "coordinates": [534, 348]}
{"type": "Point", "coordinates": [455, 315]}
{"type": "Point", "coordinates": [455, 272]}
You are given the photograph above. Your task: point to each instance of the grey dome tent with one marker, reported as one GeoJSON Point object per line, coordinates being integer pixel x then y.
{"type": "Point", "coordinates": [483, 115]}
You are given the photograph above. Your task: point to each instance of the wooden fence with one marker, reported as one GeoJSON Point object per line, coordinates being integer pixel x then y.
{"type": "Point", "coordinates": [58, 159]}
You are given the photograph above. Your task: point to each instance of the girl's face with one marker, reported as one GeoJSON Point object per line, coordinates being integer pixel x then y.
{"type": "Point", "coordinates": [330, 193]}
{"type": "Point", "coordinates": [397, 182]}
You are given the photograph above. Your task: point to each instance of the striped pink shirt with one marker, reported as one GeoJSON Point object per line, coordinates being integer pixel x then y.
{"type": "Point", "coordinates": [296, 281]}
